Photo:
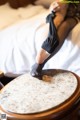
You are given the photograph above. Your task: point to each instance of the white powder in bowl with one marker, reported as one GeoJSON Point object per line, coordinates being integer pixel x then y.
{"type": "Point", "coordinates": [26, 94]}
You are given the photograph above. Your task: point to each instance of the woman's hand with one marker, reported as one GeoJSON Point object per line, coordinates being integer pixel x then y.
{"type": "Point", "coordinates": [57, 6]}
{"type": "Point", "coordinates": [36, 70]}
{"type": "Point", "coordinates": [54, 6]}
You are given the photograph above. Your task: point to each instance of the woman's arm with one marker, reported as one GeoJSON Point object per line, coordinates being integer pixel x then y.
{"type": "Point", "coordinates": [60, 10]}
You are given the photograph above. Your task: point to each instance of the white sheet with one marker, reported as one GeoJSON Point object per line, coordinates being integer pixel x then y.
{"type": "Point", "coordinates": [20, 43]}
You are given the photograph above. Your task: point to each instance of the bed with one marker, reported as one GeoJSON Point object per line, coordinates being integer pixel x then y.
{"type": "Point", "coordinates": [22, 31]}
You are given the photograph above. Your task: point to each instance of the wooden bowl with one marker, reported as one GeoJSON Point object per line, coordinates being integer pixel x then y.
{"type": "Point", "coordinates": [64, 111]}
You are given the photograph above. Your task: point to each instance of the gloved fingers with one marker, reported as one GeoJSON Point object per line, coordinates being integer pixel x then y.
{"type": "Point", "coordinates": [36, 70]}
{"type": "Point", "coordinates": [34, 73]}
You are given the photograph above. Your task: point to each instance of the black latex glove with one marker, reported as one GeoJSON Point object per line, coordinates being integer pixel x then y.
{"type": "Point", "coordinates": [36, 70]}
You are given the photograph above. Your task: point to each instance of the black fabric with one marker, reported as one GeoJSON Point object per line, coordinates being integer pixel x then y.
{"type": "Point", "coordinates": [52, 40]}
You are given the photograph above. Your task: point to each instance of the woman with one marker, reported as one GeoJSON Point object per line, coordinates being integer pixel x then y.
{"type": "Point", "coordinates": [67, 15]}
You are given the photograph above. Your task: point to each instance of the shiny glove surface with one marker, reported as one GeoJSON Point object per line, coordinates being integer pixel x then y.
{"type": "Point", "coordinates": [36, 70]}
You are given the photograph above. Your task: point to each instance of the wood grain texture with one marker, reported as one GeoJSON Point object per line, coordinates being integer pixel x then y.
{"type": "Point", "coordinates": [20, 3]}
{"type": "Point", "coordinates": [17, 3]}
{"type": "Point", "coordinates": [3, 2]}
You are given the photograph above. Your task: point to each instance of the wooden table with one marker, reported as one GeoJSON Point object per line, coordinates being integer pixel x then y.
{"type": "Point", "coordinates": [1, 75]}
{"type": "Point", "coordinates": [67, 111]}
